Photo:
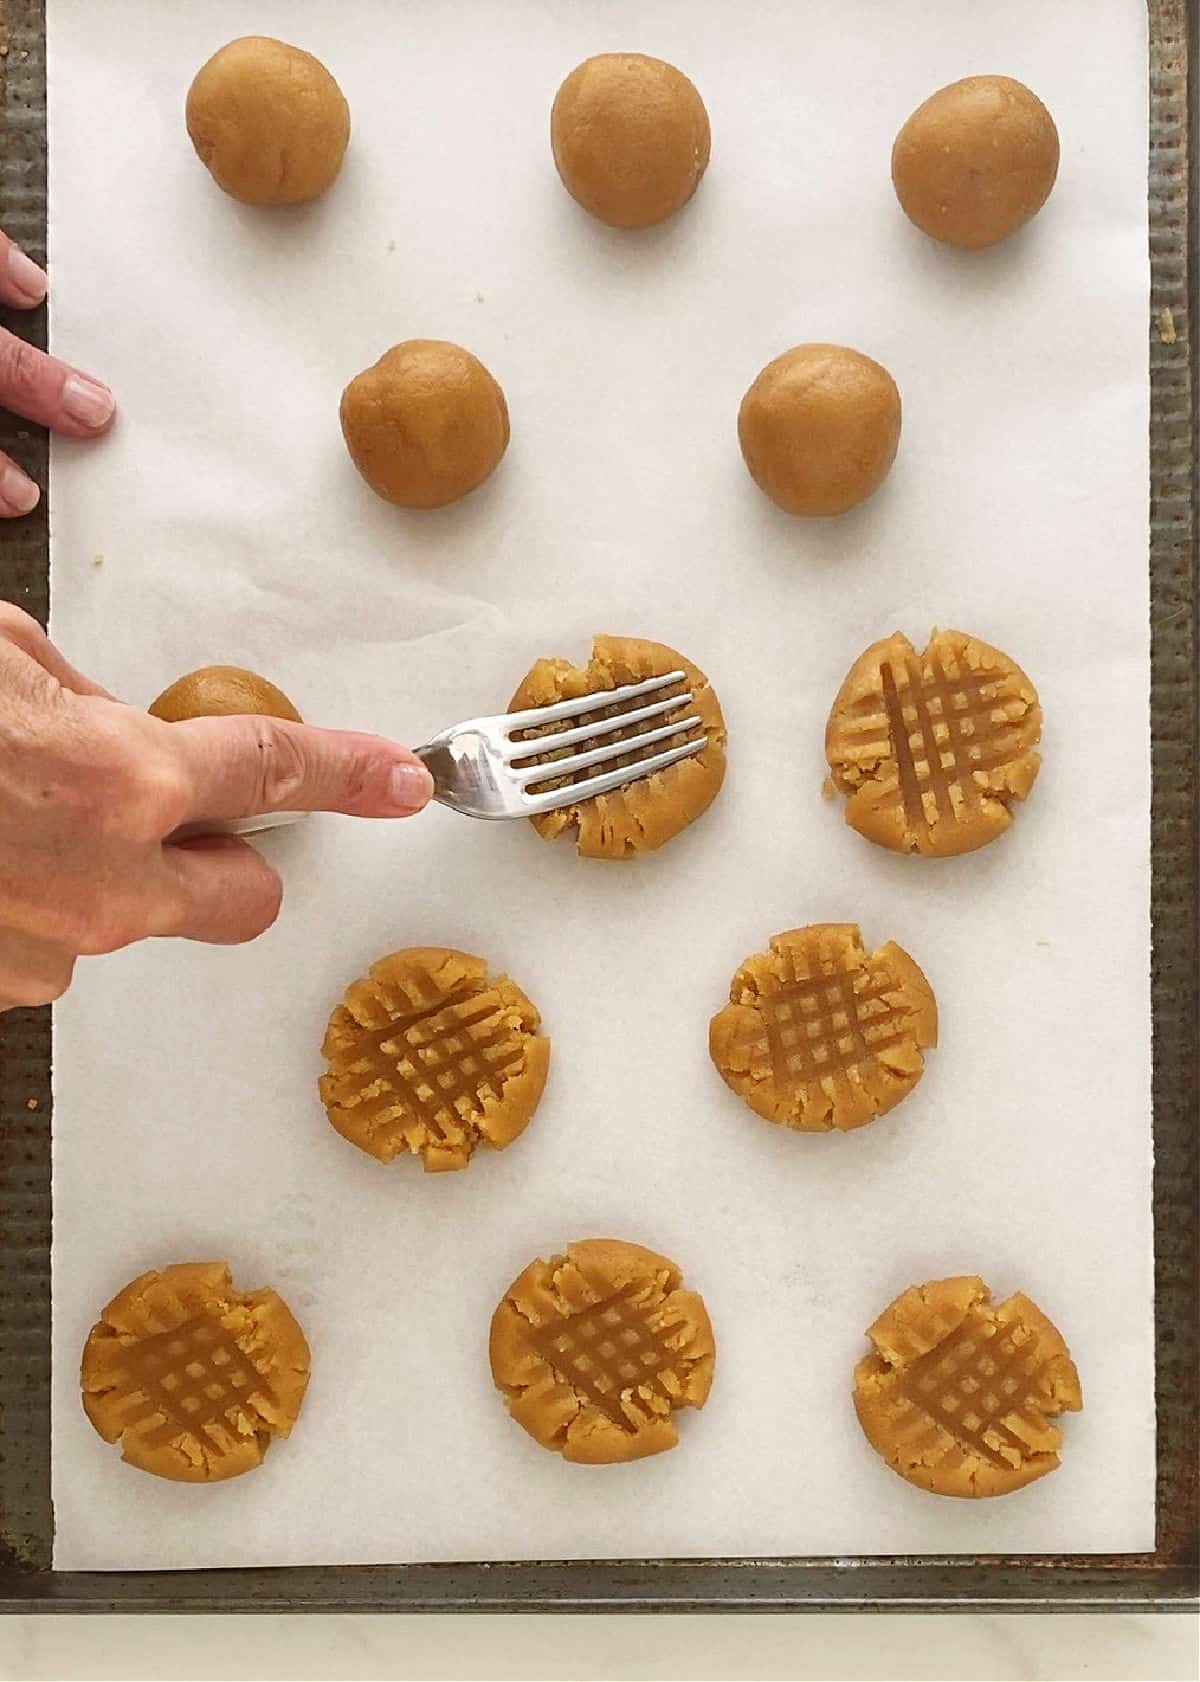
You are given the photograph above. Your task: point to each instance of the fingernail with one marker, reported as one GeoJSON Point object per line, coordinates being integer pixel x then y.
{"type": "Point", "coordinates": [18, 493]}
{"type": "Point", "coordinates": [25, 275]}
{"type": "Point", "coordinates": [410, 787]}
{"type": "Point", "coordinates": [87, 401]}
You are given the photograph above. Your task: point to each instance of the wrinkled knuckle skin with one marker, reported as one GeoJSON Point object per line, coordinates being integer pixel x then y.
{"type": "Point", "coordinates": [20, 372]}
{"type": "Point", "coordinates": [282, 771]}
{"type": "Point", "coordinates": [153, 799]}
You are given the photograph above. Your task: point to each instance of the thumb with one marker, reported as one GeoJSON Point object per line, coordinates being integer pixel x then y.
{"type": "Point", "coordinates": [239, 767]}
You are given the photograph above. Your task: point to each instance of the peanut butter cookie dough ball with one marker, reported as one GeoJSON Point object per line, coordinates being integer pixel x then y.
{"type": "Point", "coordinates": [221, 692]}
{"type": "Point", "coordinates": [976, 161]}
{"type": "Point", "coordinates": [598, 1349]}
{"type": "Point", "coordinates": [426, 424]}
{"type": "Point", "coordinates": [630, 138]}
{"type": "Point", "coordinates": [193, 1377]}
{"type": "Point", "coordinates": [961, 1395]}
{"type": "Point", "coordinates": [268, 122]}
{"type": "Point", "coordinates": [819, 428]}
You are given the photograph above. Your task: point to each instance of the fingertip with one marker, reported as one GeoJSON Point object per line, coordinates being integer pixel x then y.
{"type": "Point", "coordinates": [18, 493]}
{"type": "Point", "coordinates": [409, 787]}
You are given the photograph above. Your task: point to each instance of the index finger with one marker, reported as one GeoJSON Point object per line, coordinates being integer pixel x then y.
{"type": "Point", "coordinates": [241, 766]}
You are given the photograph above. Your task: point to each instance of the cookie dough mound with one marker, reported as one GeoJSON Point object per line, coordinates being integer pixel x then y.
{"type": "Point", "coordinates": [630, 138]}
{"type": "Point", "coordinates": [268, 122]}
{"type": "Point", "coordinates": [219, 692]}
{"type": "Point", "coordinates": [595, 1350]}
{"type": "Point", "coordinates": [932, 749]}
{"type": "Point", "coordinates": [646, 814]}
{"type": "Point", "coordinates": [428, 1053]}
{"type": "Point", "coordinates": [961, 1394]}
{"type": "Point", "coordinates": [426, 424]}
{"type": "Point", "coordinates": [821, 1034]}
{"type": "Point", "coordinates": [819, 428]}
{"type": "Point", "coordinates": [976, 161]}
{"type": "Point", "coordinates": [192, 1377]}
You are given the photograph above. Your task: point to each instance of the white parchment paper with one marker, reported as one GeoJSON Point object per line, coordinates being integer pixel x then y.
{"type": "Point", "coordinates": [222, 521]}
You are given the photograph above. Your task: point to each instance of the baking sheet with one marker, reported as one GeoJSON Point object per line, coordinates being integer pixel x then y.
{"type": "Point", "coordinates": [222, 522]}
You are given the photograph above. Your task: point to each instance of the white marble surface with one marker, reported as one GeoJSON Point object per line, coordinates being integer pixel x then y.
{"type": "Point", "coordinates": [1150, 1649]}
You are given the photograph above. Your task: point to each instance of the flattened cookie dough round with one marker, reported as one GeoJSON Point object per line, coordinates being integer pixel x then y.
{"type": "Point", "coordinates": [192, 1377]}
{"type": "Point", "coordinates": [646, 814]}
{"type": "Point", "coordinates": [820, 428]}
{"type": "Point", "coordinates": [425, 424]}
{"type": "Point", "coordinates": [821, 1034]}
{"type": "Point", "coordinates": [430, 1054]}
{"type": "Point", "coordinates": [976, 161]}
{"type": "Point", "coordinates": [932, 750]}
{"type": "Point", "coordinates": [961, 1394]}
{"type": "Point", "coordinates": [221, 692]}
{"type": "Point", "coordinates": [630, 138]}
{"type": "Point", "coordinates": [268, 121]}
{"type": "Point", "coordinates": [595, 1350]}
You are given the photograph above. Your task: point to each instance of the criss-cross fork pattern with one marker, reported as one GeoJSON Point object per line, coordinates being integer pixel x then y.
{"type": "Point", "coordinates": [822, 1024]}
{"type": "Point", "coordinates": [195, 1378]}
{"type": "Point", "coordinates": [941, 728]}
{"type": "Point", "coordinates": [605, 1349]}
{"type": "Point", "coordinates": [974, 1383]}
{"type": "Point", "coordinates": [441, 1062]}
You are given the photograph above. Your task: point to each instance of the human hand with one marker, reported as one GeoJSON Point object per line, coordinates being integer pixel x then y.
{"type": "Point", "coordinates": [39, 387]}
{"type": "Point", "coordinates": [90, 789]}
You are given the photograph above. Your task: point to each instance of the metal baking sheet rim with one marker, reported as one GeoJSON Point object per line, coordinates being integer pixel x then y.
{"type": "Point", "coordinates": [1169, 1578]}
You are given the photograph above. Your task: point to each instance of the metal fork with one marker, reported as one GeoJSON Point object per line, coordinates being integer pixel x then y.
{"type": "Point", "coordinates": [478, 766]}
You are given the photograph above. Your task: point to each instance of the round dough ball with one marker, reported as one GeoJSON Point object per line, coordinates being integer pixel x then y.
{"type": "Point", "coordinates": [425, 424]}
{"type": "Point", "coordinates": [268, 122]}
{"type": "Point", "coordinates": [819, 428]}
{"type": "Point", "coordinates": [630, 138]}
{"type": "Point", "coordinates": [220, 692]}
{"type": "Point", "coordinates": [976, 161]}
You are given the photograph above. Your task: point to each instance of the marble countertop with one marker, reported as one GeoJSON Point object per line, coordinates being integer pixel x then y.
{"type": "Point", "coordinates": [895, 1647]}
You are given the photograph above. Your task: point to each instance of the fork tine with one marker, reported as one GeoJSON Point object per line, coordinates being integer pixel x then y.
{"type": "Point", "coordinates": [596, 702]}
{"type": "Point", "coordinates": [553, 768]}
{"type": "Point", "coordinates": [607, 781]}
{"type": "Point", "coordinates": [516, 751]}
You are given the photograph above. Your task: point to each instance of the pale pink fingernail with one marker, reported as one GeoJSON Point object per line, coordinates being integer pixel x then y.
{"type": "Point", "coordinates": [18, 493]}
{"type": "Point", "coordinates": [410, 787]}
{"type": "Point", "coordinates": [87, 401]}
{"type": "Point", "coordinates": [25, 275]}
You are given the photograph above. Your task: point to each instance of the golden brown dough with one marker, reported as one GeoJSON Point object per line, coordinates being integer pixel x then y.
{"type": "Point", "coordinates": [630, 138]}
{"type": "Point", "coordinates": [219, 692]}
{"type": "Point", "coordinates": [425, 424]}
{"type": "Point", "coordinates": [646, 814]}
{"type": "Point", "coordinates": [192, 1377]}
{"type": "Point", "coordinates": [932, 749]}
{"type": "Point", "coordinates": [268, 121]}
{"type": "Point", "coordinates": [960, 1395]}
{"type": "Point", "coordinates": [596, 1349]}
{"type": "Point", "coordinates": [428, 1053]}
{"type": "Point", "coordinates": [819, 428]}
{"type": "Point", "coordinates": [821, 1034]}
{"type": "Point", "coordinates": [976, 161]}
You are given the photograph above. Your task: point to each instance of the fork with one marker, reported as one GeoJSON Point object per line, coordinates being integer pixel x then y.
{"type": "Point", "coordinates": [485, 767]}
{"type": "Point", "coordinates": [480, 768]}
